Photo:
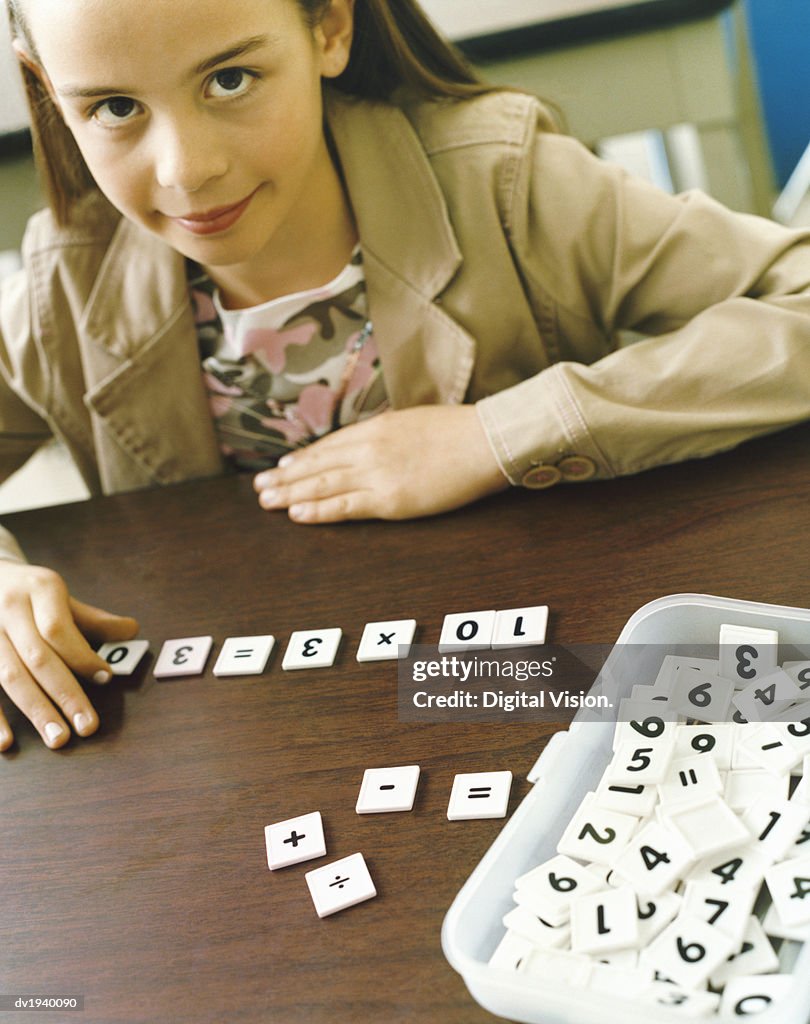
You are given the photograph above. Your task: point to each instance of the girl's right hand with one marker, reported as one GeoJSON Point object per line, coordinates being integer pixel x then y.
{"type": "Point", "coordinates": [43, 642]}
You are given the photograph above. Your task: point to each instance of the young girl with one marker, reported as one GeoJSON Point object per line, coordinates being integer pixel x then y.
{"type": "Point", "coordinates": [275, 218]}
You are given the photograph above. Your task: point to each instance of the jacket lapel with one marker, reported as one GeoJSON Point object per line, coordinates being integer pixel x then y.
{"type": "Point", "coordinates": [148, 407]}
{"type": "Point", "coordinates": [410, 253]}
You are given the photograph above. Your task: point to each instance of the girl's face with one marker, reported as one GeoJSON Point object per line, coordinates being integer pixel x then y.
{"type": "Point", "coordinates": [201, 120]}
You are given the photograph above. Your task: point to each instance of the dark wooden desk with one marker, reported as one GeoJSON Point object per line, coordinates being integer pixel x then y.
{"type": "Point", "coordinates": [132, 865]}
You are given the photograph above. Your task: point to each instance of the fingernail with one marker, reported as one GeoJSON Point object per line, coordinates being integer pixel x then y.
{"type": "Point", "coordinates": [102, 676]}
{"type": "Point", "coordinates": [269, 498]}
{"type": "Point", "coordinates": [81, 721]}
{"type": "Point", "coordinates": [53, 731]}
{"type": "Point", "coordinates": [285, 460]}
{"type": "Point", "coordinates": [296, 511]}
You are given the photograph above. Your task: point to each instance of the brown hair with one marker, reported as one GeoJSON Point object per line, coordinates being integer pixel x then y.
{"type": "Point", "coordinates": [394, 45]}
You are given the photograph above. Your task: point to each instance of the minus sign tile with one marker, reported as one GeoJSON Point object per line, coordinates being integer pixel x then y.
{"type": "Point", "coordinates": [388, 789]}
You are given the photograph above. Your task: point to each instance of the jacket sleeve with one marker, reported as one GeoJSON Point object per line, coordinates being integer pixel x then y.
{"type": "Point", "coordinates": [22, 429]}
{"type": "Point", "coordinates": [722, 301]}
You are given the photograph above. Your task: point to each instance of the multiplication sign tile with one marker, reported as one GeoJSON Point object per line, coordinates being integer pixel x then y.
{"type": "Point", "coordinates": [244, 655]}
{"type": "Point", "coordinates": [123, 657]}
{"type": "Point", "coordinates": [479, 795]}
{"type": "Point", "coordinates": [384, 641]}
{"type": "Point", "coordinates": [184, 657]}
{"type": "Point", "coordinates": [388, 789]}
{"type": "Point", "coordinates": [312, 648]}
{"type": "Point", "coordinates": [339, 885]}
{"type": "Point", "coordinates": [294, 840]}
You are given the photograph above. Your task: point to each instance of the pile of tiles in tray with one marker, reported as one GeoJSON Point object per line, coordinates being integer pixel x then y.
{"type": "Point", "coordinates": [684, 879]}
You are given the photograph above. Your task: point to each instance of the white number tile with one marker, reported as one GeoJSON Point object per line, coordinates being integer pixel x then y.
{"type": "Point", "coordinates": [385, 641]}
{"type": "Point", "coordinates": [709, 827]}
{"type": "Point", "coordinates": [700, 695]}
{"type": "Point", "coordinates": [523, 922]}
{"type": "Point", "coordinates": [123, 657]}
{"type": "Point", "coordinates": [619, 981]}
{"type": "Point", "coordinates": [653, 860]}
{"type": "Point", "coordinates": [743, 788]}
{"type": "Point", "coordinates": [756, 955]}
{"type": "Point", "coordinates": [725, 911]}
{"type": "Point", "coordinates": [510, 952]}
{"type": "Point", "coordinates": [479, 795]}
{"type": "Point", "coordinates": [772, 923]}
{"type": "Point", "coordinates": [767, 696]}
{"type": "Point", "coordinates": [776, 825]}
{"type": "Point", "coordinates": [687, 1003]}
{"type": "Point", "coordinates": [604, 921]}
{"type": "Point", "coordinates": [745, 997]}
{"type": "Point", "coordinates": [634, 799]}
{"type": "Point", "coordinates": [738, 869]}
{"type": "Point", "coordinates": [184, 657]}
{"type": "Point", "coordinates": [520, 627]}
{"type": "Point", "coordinates": [715, 740]}
{"type": "Point", "coordinates": [640, 761]}
{"type": "Point", "coordinates": [799, 672]}
{"type": "Point", "coordinates": [655, 914]}
{"type": "Point", "coordinates": [789, 886]}
{"type": "Point", "coordinates": [548, 889]}
{"type": "Point", "coordinates": [388, 789]}
{"type": "Point", "coordinates": [747, 652]}
{"type": "Point", "coordinates": [771, 748]}
{"type": "Point", "coordinates": [595, 834]}
{"type": "Point", "coordinates": [311, 648]}
{"type": "Point", "coordinates": [244, 655]}
{"type": "Point", "coordinates": [645, 722]}
{"type": "Point", "coordinates": [688, 950]}
{"type": "Point", "coordinates": [339, 885]}
{"type": "Point", "coordinates": [467, 631]}
{"type": "Point", "coordinates": [294, 840]}
{"type": "Point", "coordinates": [688, 776]}
{"type": "Point", "coordinates": [559, 966]}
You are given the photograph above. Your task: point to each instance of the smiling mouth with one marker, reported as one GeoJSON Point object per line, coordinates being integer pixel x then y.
{"type": "Point", "coordinates": [211, 222]}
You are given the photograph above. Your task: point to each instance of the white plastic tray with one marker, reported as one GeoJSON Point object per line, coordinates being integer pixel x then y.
{"type": "Point", "coordinates": [472, 927]}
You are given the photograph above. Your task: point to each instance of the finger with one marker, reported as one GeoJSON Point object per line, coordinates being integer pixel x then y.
{"type": "Point", "coordinates": [101, 625]}
{"type": "Point", "coordinates": [47, 667]}
{"type": "Point", "coordinates": [352, 505]}
{"type": "Point", "coordinates": [320, 485]}
{"type": "Point", "coordinates": [307, 462]}
{"type": "Point", "coordinates": [6, 735]}
{"type": "Point", "coordinates": [54, 624]}
{"type": "Point", "coordinates": [29, 698]}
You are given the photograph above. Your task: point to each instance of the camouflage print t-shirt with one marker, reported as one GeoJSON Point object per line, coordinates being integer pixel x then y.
{"type": "Point", "coordinates": [284, 373]}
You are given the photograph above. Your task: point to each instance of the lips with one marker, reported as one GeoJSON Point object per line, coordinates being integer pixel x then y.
{"type": "Point", "coordinates": [211, 222]}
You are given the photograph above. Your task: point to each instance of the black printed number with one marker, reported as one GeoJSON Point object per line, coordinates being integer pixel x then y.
{"type": "Point", "coordinates": [744, 654]}
{"type": "Point", "coordinates": [690, 952]}
{"type": "Point", "coordinates": [181, 655]}
{"type": "Point", "coordinates": [649, 727]}
{"type": "Point", "coordinates": [589, 830]}
{"type": "Point", "coordinates": [116, 655]}
{"type": "Point", "coordinates": [563, 884]}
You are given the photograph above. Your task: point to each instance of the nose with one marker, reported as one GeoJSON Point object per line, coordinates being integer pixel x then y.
{"type": "Point", "coordinates": [186, 157]}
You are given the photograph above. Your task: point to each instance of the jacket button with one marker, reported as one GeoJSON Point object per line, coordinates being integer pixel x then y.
{"type": "Point", "coordinates": [539, 477]}
{"type": "Point", "coordinates": [576, 467]}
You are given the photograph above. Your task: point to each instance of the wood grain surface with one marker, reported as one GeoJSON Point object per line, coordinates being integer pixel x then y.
{"type": "Point", "coordinates": [132, 864]}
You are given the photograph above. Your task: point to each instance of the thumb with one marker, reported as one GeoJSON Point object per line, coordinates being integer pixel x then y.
{"type": "Point", "coordinates": [100, 625]}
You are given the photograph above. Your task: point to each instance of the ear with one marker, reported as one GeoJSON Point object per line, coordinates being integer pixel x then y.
{"type": "Point", "coordinates": [333, 35]}
{"type": "Point", "coordinates": [36, 69]}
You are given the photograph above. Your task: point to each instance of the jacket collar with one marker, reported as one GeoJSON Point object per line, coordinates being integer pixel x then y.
{"type": "Point", "coordinates": [410, 252]}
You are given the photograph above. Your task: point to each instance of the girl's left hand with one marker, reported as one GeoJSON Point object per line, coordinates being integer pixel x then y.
{"type": "Point", "coordinates": [397, 465]}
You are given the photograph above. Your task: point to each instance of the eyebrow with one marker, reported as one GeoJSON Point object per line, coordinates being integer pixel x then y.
{"type": "Point", "coordinates": [239, 49]}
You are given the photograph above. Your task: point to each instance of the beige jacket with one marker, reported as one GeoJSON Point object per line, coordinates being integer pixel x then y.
{"type": "Point", "coordinates": [501, 261]}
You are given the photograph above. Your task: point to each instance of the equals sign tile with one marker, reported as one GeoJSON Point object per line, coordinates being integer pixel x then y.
{"type": "Point", "coordinates": [479, 792]}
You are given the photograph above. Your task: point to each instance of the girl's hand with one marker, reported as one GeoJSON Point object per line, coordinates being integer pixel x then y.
{"type": "Point", "coordinates": [42, 644]}
{"type": "Point", "coordinates": [398, 465]}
